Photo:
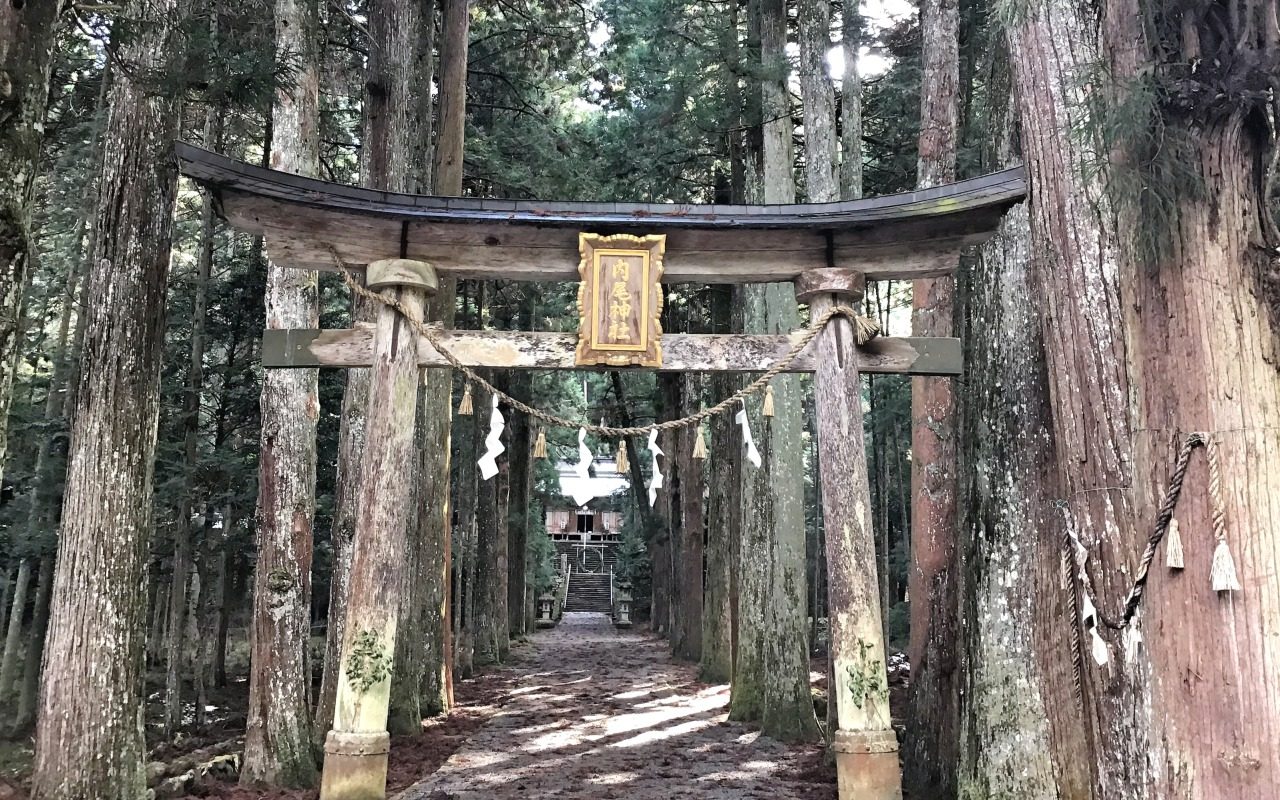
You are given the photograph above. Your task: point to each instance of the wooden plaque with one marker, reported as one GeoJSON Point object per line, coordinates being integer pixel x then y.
{"type": "Point", "coordinates": [620, 300]}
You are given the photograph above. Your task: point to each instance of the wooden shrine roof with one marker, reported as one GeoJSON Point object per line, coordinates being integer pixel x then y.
{"type": "Point", "coordinates": [909, 235]}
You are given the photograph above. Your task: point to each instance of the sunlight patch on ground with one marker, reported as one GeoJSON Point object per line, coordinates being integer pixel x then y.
{"type": "Point", "coordinates": [613, 779]}
{"type": "Point", "coordinates": [652, 736]}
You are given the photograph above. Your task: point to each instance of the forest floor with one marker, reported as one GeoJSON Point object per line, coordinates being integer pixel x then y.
{"type": "Point", "coordinates": [598, 713]}
{"type": "Point", "coordinates": [579, 711]}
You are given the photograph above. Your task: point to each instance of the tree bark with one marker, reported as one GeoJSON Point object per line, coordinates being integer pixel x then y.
{"type": "Point", "coordinates": [687, 641]}
{"type": "Point", "coordinates": [771, 676]}
{"type": "Point", "coordinates": [13, 636]}
{"type": "Point", "coordinates": [28, 691]}
{"type": "Point", "coordinates": [468, 491]}
{"type": "Point", "coordinates": [10, 576]}
{"type": "Point", "coordinates": [851, 104]}
{"type": "Point", "coordinates": [724, 518]}
{"type": "Point", "coordinates": [931, 727]}
{"type": "Point", "coordinates": [182, 548]}
{"type": "Point", "coordinates": [491, 637]}
{"type": "Point", "coordinates": [89, 737]}
{"type": "Point", "coordinates": [278, 741]}
{"type": "Point", "coordinates": [1135, 360]}
{"type": "Point", "coordinates": [820, 146]}
{"type": "Point", "coordinates": [519, 447]}
{"type": "Point", "coordinates": [27, 34]}
{"type": "Point", "coordinates": [454, 33]}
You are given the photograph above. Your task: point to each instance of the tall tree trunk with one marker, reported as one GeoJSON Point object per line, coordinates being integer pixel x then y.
{"type": "Point", "coordinates": [436, 417]}
{"type": "Point", "coordinates": [48, 473]}
{"type": "Point", "coordinates": [491, 638]}
{"type": "Point", "coordinates": [931, 725]}
{"type": "Point", "coordinates": [437, 393]}
{"type": "Point", "coordinates": [468, 491]}
{"type": "Point", "coordinates": [278, 740]}
{"type": "Point", "coordinates": [13, 636]}
{"type": "Point", "coordinates": [851, 104]}
{"type": "Point", "coordinates": [446, 179]}
{"type": "Point", "coordinates": [1007, 745]}
{"type": "Point", "coordinates": [454, 34]}
{"type": "Point", "coordinates": [1145, 362]}
{"type": "Point", "coordinates": [225, 593]}
{"type": "Point", "coordinates": [28, 691]}
{"type": "Point", "coordinates": [671, 388]}
{"type": "Point", "coordinates": [27, 34]}
{"type": "Point", "coordinates": [819, 103]}
{"type": "Point", "coordinates": [183, 531]}
{"type": "Point", "coordinates": [89, 735]}
{"type": "Point", "coordinates": [1190, 375]}
{"type": "Point", "coordinates": [190, 658]}
{"type": "Point", "coordinates": [10, 576]}
{"type": "Point", "coordinates": [724, 503]}
{"type": "Point", "coordinates": [724, 518]}
{"type": "Point", "coordinates": [771, 677]}
{"type": "Point", "coordinates": [687, 642]}
{"type": "Point", "coordinates": [519, 446]}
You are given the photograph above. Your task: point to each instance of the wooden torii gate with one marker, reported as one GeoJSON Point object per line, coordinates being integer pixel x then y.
{"type": "Point", "coordinates": [404, 241]}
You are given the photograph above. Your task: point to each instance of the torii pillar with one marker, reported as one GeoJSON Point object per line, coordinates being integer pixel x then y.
{"type": "Point", "coordinates": [865, 744]}
{"type": "Point", "coordinates": [356, 749]}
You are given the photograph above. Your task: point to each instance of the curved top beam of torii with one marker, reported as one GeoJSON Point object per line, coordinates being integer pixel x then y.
{"type": "Point", "coordinates": [911, 235]}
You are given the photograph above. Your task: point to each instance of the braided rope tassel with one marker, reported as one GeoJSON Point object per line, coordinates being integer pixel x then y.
{"type": "Point", "coordinates": [1223, 572]}
{"type": "Point", "coordinates": [1173, 547]}
{"type": "Point", "coordinates": [621, 463]}
{"type": "Point", "coordinates": [700, 444]}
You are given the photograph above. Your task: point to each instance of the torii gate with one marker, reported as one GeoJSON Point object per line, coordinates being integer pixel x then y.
{"type": "Point", "coordinates": [404, 241]}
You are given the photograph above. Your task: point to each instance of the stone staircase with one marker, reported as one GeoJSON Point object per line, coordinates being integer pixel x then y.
{"type": "Point", "coordinates": [589, 591]}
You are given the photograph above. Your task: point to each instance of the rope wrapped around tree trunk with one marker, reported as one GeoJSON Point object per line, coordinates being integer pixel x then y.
{"type": "Point", "coordinates": [1224, 574]}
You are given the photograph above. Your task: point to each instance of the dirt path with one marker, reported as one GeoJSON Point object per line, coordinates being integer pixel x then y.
{"type": "Point", "coordinates": [597, 713]}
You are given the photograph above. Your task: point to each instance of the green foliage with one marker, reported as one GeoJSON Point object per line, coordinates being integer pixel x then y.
{"type": "Point", "coordinates": [541, 553]}
{"type": "Point", "coordinates": [368, 664]}
{"type": "Point", "coordinates": [634, 561]}
{"type": "Point", "coordinates": [1147, 165]}
{"type": "Point", "coordinates": [866, 678]}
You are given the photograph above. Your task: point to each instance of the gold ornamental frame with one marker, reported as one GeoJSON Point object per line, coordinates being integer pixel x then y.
{"type": "Point", "coordinates": [620, 303]}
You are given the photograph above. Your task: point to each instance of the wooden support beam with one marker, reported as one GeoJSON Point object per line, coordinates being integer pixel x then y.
{"type": "Point", "coordinates": [356, 749]}
{"type": "Point", "coordinates": [300, 236]}
{"type": "Point", "coordinates": [909, 235]}
{"type": "Point", "coordinates": [682, 352]}
{"type": "Point", "coordinates": [864, 741]}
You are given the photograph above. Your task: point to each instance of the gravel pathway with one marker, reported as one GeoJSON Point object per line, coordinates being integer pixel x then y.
{"type": "Point", "coordinates": [597, 713]}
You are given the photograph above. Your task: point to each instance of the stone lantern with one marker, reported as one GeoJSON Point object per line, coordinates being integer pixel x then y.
{"type": "Point", "coordinates": [546, 610]}
{"type": "Point", "coordinates": [622, 609]}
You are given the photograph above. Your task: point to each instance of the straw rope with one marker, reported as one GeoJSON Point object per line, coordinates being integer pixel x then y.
{"type": "Point", "coordinates": [864, 327]}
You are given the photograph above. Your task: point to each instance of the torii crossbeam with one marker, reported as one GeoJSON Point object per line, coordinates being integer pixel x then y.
{"type": "Point", "coordinates": [828, 250]}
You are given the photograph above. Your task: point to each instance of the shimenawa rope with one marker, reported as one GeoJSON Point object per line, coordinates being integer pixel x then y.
{"type": "Point", "coordinates": [865, 330]}
{"type": "Point", "coordinates": [1223, 570]}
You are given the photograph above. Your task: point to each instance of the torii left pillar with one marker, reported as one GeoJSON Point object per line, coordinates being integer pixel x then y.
{"type": "Point", "coordinates": [356, 749]}
{"type": "Point", "coordinates": [866, 747]}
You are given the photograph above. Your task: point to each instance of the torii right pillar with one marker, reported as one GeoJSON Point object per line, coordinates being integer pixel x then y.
{"type": "Point", "coordinates": [865, 745]}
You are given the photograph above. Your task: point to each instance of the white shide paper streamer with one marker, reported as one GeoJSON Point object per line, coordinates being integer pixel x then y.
{"type": "Point", "coordinates": [582, 492]}
{"type": "Point", "coordinates": [489, 461]}
{"type": "Point", "coordinates": [753, 455]}
{"type": "Point", "coordinates": [655, 483]}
